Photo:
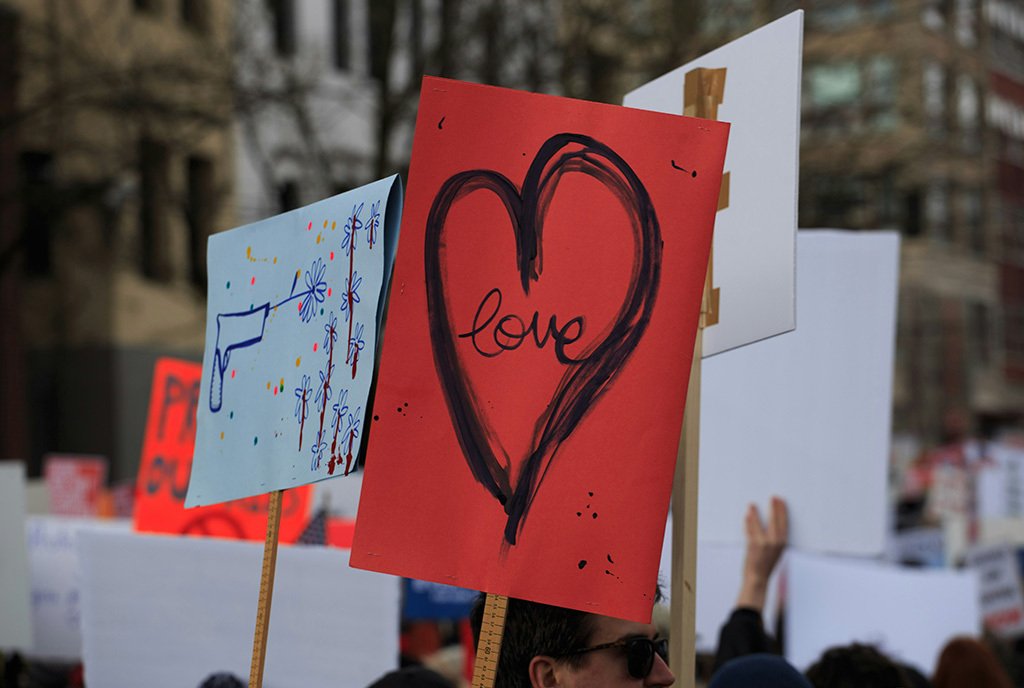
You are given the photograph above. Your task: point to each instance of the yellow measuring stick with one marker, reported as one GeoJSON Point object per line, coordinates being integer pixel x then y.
{"type": "Point", "coordinates": [259, 640]}
{"type": "Point", "coordinates": [488, 648]}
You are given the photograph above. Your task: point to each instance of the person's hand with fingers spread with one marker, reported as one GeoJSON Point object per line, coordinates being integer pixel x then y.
{"type": "Point", "coordinates": [765, 544]}
{"type": "Point", "coordinates": [743, 632]}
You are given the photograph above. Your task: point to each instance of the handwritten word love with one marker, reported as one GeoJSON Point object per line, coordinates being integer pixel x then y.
{"type": "Point", "coordinates": [510, 331]}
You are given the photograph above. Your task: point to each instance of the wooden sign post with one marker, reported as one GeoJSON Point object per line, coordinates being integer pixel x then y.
{"type": "Point", "coordinates": [259, 641]}
{"type": "Point", "coordinates": [703, 92]}
{"type": "Point", "coordinates": [488, 647]}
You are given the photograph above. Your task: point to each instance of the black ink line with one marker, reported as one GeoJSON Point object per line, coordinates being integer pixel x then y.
{"type": "Point", "coordinates": [584, 381]}
{"type": "Point", "coordinates": [440, 124]}
{"type": "Point", "coordinates": [692, 174]}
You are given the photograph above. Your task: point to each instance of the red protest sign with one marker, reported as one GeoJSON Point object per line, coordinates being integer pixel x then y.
{"type": "Point", "coordinates": [75, 483]}
{"type": "Point", "coordinates": [538, 346]}
{"type": "Point", "coordinates": [167, 462]}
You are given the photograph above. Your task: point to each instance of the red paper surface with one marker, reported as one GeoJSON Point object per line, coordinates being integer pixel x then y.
{"type": "Point", "coordinates": [167, 462]}
{"type": "Point", "coordinates": [614, 211]}
{"type": "Point", "coordinates": [75, 484]}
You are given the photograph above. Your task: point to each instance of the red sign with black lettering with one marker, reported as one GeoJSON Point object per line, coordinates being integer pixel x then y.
{"type": "Point", "coordinates": [167, 463]}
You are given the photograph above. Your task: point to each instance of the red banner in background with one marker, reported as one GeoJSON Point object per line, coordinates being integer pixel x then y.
{"type": "Point", "coordinates": [167, 463]}
{"type": "Point", "coordinates": [75, 484]}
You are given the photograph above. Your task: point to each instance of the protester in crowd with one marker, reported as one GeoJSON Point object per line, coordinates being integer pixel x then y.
{"type": "Point", "coordinates": [552, 647]}
{"type": "Point", "coordinates": [744, 632]}
{"type": "Point", "coordinates": [412, 677]}
{"type": "Point", "coordinates": [856, 666]}
{"type": "Point", "coordinates": [969, 663]}
{"type": "Point", "coordinates": [222, 679]}
{"type": "Point", "coordinates": [760, 671]}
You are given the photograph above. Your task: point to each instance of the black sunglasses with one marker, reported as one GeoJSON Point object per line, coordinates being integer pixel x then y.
{"type": "Point", "coordinates": [640, 653]}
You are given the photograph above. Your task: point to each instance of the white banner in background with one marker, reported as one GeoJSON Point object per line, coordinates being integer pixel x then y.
{"type": "Point", "coordinates": [909, 614]}
{"type": "Point", "coordinates": [806, 415]}
{"type": "Point", "coordinates": [53, 560]}
{"type": "Point", "coordinates": [15, 615]}
{"type": "Point", "coordinates": [161, 611]}
{"type": "Point", "coordinates": [1002, 604]}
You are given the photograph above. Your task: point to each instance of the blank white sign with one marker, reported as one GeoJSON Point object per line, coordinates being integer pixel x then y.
{"type": "Point", "coordinates": [909, 614]}
{"type": "Point", "coordinates": [754, 236]}
{"type": "Point", "coordinates": [806, 415]}
{"type": "Point", "coordinates": [15, 612]}
{"type": "Point", "coordinates": [169, 611]}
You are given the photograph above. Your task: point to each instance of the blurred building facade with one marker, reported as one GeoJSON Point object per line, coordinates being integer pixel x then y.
{"type": "Point", "coordinates": [135, 128]}
{"type": "Point", "coordinates": [119, 139]}
{"type": "Point", "coordinates": [912, 120]}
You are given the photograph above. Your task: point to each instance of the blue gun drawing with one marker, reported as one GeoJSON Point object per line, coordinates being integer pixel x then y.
{"type": "Point", "coordinates": [243, 329]}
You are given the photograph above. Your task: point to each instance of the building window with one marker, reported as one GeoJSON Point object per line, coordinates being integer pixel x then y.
{"type": "Point", "coordinates": [195, 14]}
{"type": "Point", "coordinates": [936, 211]}
{"type": "Point", "coordinates": [979, 327]}
{"type": "Point", "coordinates": [147, 6]}
{"type": "Point", "coordinates": [966, 17]}
{"type": "Point", "coordinates": [282, 14]}
{"type": "Point", "coordinates": [973, 213]}
{"type": "Point", "coordinates": [199, 210]}
{"type": "Point", "coordinates": [934, 84]}
{"type": "Point", "coordinates": [933, 14]}
{"type": "Point", "coordinates": [880, 93]}
{"type": "Point", "coordinates": [37, 193]}
{"type": "Point", "coordinates": [153, 179]}
{"type": "Point", "coordinates": [342, 58]}
{"type": "Point", "coordinates": [727, 17]}
{"type": "Point", "coordinates": [288, 196]}
{"type": "Point", "coordinates": [967, 111]}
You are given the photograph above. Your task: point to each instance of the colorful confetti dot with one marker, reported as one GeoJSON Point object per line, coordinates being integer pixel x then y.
{"type": "Point", "coordinates": [275, 391]}
{"type": "Point", "coordinates": [328, 288]}
{"type": "Point", "coordinates": [319, 237]}
{"type": "Point", "coordinates": [228, 285]}
{"type": "Point", "coordinates": [253, 280]}
{"type": "Point", "coordinates": [325, 224]}
{"type": "Point", "coordinates": [248, 252]}
{"type": "Point", "coordinates": [309, 226]}
{"type": "Point", "coordinates": [275, 260]}
{"type": "Point", "coordinates": [255, 440]}
{"type": "Point", "coordinates": [314, 347]}
{"type": "Point", "coordinates": [231, 415]}
{"type": "Point", "coordinates": [332, 255]}
{"type": "Point", "coordinates": [233, 374]}
{"type": "Point", "coordinates": [268, 384]}
{"type": "Point", "coordinates": [222, 434]}
{"type": "Point", "coordinates": [333, 225]}
{"type": "Point", "coordinates": [282, 384]}
{"type": "Point", "coordinates": [298, 361]}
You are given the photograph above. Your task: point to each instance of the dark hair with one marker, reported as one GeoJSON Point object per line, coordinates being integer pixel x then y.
{"type": "Point", "coordinates": [969, 663]}
{"type": "Point", "coordinates": [412, 677]}
{"type": "Point", "coordinates": [855, 666]}
{"type": "Point", "coordinates": [532, 629]}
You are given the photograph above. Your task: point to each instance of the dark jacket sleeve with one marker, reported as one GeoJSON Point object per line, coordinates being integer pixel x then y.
{"type": "Point", "coordinates": [743, 634]}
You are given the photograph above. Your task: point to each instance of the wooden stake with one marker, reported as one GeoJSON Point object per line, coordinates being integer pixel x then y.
{"type": "Point", "coordinates": [683, 650]}
{"type": "Point", "coordinates": [259, 641]}
{"type": "Point", "coordinates": [488, 647]}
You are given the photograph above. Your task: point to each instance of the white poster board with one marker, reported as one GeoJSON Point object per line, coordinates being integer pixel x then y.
{"type": "Point", "coordinates": [1002, 603]}
{"type": "Point", "coordinates": [753, 257]}
{"type": "Point", "coordinates": [15, 612]}
{"type": "Point", "coordinates": [909, 614]}
{"type": "Point", "coordinates": [169, 611]}
{"type": "Point", "coordinates": [719, 575]}
{"type": "Point", "coordinates": [56, 576]}
{"type": "Point", "coordinates": [806, 416]}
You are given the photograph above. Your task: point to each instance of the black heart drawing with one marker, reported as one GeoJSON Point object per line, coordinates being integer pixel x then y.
{"type": "Point", "coordinates": [586, 377]}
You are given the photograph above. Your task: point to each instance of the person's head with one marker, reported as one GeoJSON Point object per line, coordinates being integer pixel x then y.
{"type": "Point", "coordinates": [855, 666]}
{"type": "Point", "coordinates": [969, 663]}
{"type": "Point", "coordinates": [222, 679]}
{"type": "Point", "coordinates": [762, 670]}
{"type": "Point", "coordinates": [553, 647]}
{"type": "Point", "coordinates": [412, 677]}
